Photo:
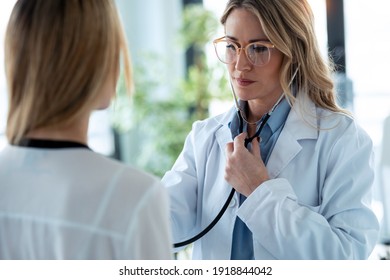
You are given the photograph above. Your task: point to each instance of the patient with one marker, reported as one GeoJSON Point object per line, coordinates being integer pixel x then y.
{"type": "Point", "coordinates": [58, 198]}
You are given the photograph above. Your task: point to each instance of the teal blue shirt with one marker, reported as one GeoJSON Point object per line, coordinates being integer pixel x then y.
{"type": "Point", "coordinates": [242, 246]}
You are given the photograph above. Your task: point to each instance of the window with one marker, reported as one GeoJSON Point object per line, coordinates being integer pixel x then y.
{"type": "Point", "coordinates": [367, 67]}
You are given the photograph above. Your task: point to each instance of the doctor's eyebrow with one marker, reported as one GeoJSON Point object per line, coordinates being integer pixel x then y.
{"type": "Point", "coordinates": [250, 41]}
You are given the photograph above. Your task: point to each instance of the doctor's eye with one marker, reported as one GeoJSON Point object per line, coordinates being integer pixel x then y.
{"type": "Point", "coordinates": [258, 48]}
{"type": "Point", "coordinates": [230, 47]}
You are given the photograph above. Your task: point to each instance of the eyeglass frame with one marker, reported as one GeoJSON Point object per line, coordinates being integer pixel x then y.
{"type": "Point", "coordinates": [238, 49]}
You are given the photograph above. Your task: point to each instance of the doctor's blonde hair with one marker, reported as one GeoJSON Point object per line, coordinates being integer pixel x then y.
{"type": "Point", "coordinates": [58, 55]}
{"type": "Point", "coordinates": [289, 25]}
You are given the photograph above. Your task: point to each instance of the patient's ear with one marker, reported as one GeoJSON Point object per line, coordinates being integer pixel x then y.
{"type": "Point", "coordinates": [107, 93]}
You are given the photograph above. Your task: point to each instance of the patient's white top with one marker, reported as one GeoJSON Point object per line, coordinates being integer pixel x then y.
{"type": "Point", "coordinates": [72, 203]}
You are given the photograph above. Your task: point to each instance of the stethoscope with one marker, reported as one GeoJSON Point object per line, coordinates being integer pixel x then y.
{"type": "Point", "coordinates": [241, 118]}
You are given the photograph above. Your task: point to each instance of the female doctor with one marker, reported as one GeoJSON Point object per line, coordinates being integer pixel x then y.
{"type": "Point", "coordinates": [300, 166]}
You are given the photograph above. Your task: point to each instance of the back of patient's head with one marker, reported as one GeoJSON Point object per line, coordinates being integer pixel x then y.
{"type": "Point", "coordinates": [58, 54]}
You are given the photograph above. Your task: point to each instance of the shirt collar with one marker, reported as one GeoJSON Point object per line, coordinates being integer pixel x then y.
{"type": "Point", "coordinates": [277, 119]}
{"type": "Point", "coordinates": [279, 116]}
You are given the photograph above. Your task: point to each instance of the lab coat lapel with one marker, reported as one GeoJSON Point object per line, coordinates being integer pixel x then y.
{"type": "Point", "coordinates": [223, 134]}
{"type": "Point", "coordinates": [301, 124]}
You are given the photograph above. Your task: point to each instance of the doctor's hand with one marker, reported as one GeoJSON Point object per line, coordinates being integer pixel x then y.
{"type": "Point", "coordinates": [244, 170]}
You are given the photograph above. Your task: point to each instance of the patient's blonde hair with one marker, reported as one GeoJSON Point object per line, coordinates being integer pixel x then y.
{"type": "Point", "coordinates": [58, 55]}
{"type": "Point", "coordinates": [289, 25]}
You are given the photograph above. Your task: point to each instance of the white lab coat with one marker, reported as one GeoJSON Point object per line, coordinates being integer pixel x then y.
{"type": "Point", "coordinates": [316, 205]}
{"type": "Point", "coordinates": [76, 204]}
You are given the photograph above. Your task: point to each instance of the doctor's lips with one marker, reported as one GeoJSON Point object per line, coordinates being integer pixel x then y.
{"type": "Point", "coordinates": [244, 82]}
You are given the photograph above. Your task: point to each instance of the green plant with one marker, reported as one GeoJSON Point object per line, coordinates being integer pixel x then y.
{"type": "Point", "coordinates": [167, 121]}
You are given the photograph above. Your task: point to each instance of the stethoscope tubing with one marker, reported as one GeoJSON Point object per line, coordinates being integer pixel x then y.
{"type": "Point", "coordinates": [210, 226]}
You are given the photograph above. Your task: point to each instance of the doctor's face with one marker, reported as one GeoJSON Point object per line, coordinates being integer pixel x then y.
{"type": "Point", "coordinates": [253, 83]}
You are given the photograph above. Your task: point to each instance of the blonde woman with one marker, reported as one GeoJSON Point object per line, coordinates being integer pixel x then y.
{"type": "Point", "coordinates": [59, 199]}
{"type": "Point", "coordinates": [299, 168]}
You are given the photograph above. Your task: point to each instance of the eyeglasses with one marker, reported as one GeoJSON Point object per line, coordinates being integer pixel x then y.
{"type": "Point", "coordinates": [258, 53]}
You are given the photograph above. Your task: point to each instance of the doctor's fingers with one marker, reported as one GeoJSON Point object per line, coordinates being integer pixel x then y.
{"type": "Point", "coordinates": [239, 146]}
{"type": "Point", "coordinates": [229, 148]}
{"type": "Point", "coordinates": [239, 142]}
{"type": "Point", "coordinates": [255, 149]}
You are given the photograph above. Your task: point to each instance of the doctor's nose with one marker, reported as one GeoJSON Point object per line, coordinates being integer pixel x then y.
{"type": "Point", "coordinates": [242, 62]}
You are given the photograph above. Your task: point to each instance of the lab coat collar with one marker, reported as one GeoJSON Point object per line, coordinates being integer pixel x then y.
{"type": "Point", "coordinates": [223, 134]}
{"type": "Point", "coordinates": [302, 122]}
